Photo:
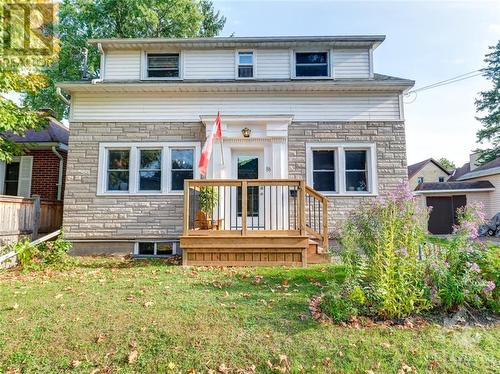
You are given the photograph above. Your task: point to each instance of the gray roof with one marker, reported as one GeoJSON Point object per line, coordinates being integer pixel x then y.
{"type": "Point", "coordinates": [246, 41]}
{"type": "Point", "coordinates": [492, 167]}
{"type": "Point", "coordinates": [55, 132]}
{"type": "Point", "coordinates": [454, 186]}
{"type": "Point", "coordinates": [458, 172]}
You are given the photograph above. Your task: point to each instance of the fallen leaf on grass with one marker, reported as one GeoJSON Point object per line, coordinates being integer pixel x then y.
{"type": "Point", "coordinates": [13, 371]}
{"type": "Point", "coordinates": [223, 369]}
{"type": "Point", "coordinates": [147, 304]}
{"type": "Point", "coordinates": [257, 279]}
{"type": "Point", "coordinates": [100, 338]}
{"type": "Point", "coordinates": [15, 306]}
{"type": "Point", "coordinates": [75, 364]}
{"type": "Point", "coordinates": [58, 296]}
{"type": "Point", "coordinates": [132, 356]}
{"type": "Point", "coordinates": [327, 361]}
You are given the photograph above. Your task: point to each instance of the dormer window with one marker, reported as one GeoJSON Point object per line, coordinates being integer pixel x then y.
{"type": "Point", "coordinates": [245, 64]}
{"type": "Point", "coordinates": [163, 65]}
{"type": "Point", "coordinates": [311, 64]}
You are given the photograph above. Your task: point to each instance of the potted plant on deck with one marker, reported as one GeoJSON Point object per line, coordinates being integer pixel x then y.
{"type": "Point", "coordinates": [207, 201]}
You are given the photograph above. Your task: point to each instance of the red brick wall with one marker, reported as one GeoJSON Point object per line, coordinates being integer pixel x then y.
{"type": "Point", "coordinates": [45, 173]}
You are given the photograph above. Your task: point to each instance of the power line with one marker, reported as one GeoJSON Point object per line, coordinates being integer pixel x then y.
{"type": "Point", "coordinates": [445, 82]}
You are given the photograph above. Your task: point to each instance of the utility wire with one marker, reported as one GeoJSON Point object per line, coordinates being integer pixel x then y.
{"type": "Point", "coordinates": [455, 79]}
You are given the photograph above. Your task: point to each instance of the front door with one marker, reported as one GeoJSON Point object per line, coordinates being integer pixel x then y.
{"type": "Point", "coordinates": [248, 165]}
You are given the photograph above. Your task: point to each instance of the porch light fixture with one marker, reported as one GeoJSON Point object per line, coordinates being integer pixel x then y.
{"type": "Point", "coordinates": [246, 132]}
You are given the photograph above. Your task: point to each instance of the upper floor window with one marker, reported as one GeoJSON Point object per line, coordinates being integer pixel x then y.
{"type": "Point", "coordinates": [420, 180]}
{"type": "Point", "coordinates": [311, 64]}
{"type": "Point", "coordinates": [441, 179]}
{"type": "Point", "coordinates": [245, 64]}
{"type": "Point", "coordinates": [163, 65]}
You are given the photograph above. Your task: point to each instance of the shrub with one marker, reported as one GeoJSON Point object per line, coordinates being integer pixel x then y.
{"type": "Point", "coordinates": [461, 272]}
{"type": "Point", "coordinates": [50, 253]}
{"type": "Point", "coordinates": [381, 248]}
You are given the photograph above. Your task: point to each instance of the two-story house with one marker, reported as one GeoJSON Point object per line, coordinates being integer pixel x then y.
{"type": "Point", "coordinates": [309, 132]}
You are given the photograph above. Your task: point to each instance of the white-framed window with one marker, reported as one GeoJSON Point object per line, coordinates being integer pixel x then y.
{"type": "Point", "coordinates": [342, 168]}
{"type": "Point", "coordinates": [181, 167]}
{"type": "Point", "coordinates": [163, 65]}
{"type": "Point", "coordinates": [156, 248]}
{"type": "Point", "coordinates": [150, 169]}
{"type": "Point", "coordinates": [420, 180]}
{"type": "Point", "coordinates": [245, 64]}
{"type": "Point", "coordinates": [146, 168]}
{"type": "Point", "coordinates": [311, 64]}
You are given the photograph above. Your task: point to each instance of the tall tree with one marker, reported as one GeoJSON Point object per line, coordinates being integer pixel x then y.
{"type": "Point", "coordinates": [489, 102]}
{"type": "Point", "coordinates": [80, 20]}
{"type": "Point", "coordinates": [447, 164]}
{"type": "Point", "coordinates": [20, 69]}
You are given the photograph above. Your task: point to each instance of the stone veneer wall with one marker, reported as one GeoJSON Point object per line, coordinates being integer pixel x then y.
{"type": "Point", "coordinates": [389, 138]}
{"type": "Point", "coordinates": [87, 216]}
{"type": "Point", "coordinates": [115, 218]}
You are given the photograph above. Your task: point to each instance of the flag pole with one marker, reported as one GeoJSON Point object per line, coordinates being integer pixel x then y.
{"type": "Point", "coordinates": [221, 143]}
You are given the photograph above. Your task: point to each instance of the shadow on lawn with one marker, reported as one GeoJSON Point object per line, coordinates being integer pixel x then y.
{"type": "Point", "coordinates": [100, 262]}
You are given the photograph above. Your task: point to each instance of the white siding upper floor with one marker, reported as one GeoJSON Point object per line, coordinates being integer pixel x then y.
{"type": "Point", "coordinates": [213, 64]}
{"type": "Point", "coordinates": [351, 63]}
{"type": "Point", "coordinates": [169, 107]}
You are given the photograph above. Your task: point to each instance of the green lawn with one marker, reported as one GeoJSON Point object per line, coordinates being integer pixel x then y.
{"type": "Point", "coordinates": [104, 313]}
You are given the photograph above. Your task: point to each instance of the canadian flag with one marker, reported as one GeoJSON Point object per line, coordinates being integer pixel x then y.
{"type": "Point", "coordinates": [207, 148]}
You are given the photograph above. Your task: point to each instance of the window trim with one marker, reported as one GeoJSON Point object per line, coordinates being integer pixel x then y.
{"type": "Point", "coordinates": [340, 170]}
{"type": "Point", "coordinates": [175, 248]}
{"type": "Point", "coordinates": [102, 178]}
{"type": "Point", "coordinates": [144, 69]}
{"type": "Point", "coordinates": [335, 168]}
{"type": "Point", "coordinates": [314, 50]}
{"type": "Point", "coordinates": [237, 63]}
{"type": "Point", "coordinates": [139, 149]}
{"type": "Point", "coordinates": [169, 168]}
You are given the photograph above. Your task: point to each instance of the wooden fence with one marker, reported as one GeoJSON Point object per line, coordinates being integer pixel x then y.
{"type": "Point", "coordinates": [28, 217]}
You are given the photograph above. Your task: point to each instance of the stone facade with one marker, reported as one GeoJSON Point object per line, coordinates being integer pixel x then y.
{"type": "Point", "coordinates": [389, 138]}
{"type": "Point", "coordinates": [118, 218]}
{"type": "Point", "coordinates": [127, 218]}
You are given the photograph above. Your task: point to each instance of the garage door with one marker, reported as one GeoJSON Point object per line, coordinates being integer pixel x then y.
{"type": "Point", "coordinates": [443, 214]}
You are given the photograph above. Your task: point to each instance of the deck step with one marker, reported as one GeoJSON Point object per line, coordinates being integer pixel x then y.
{"type": "Point", "coordinates": [316, 254]}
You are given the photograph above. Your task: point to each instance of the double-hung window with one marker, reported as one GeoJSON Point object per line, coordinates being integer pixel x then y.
{"type": "Point", "coordinates": [311, 64]}
{"type": "Point", "coordinates": [324, 170]}
{"type": "Point", "coordinates": [146, 168]}
{"type": "Point", "coordinates": [163, 65]}
{"type": "Point", "coordinates": [150, 170]}
{"type": "Point", "coordinates": [182, 167]}
{"type": "Point", "coordinates": [118, 169]}
{"type": "Point", "coordinates": [245, 64]}
{"type": "Point", "coordinates": [338, 169]}
{"type": "Point", "coordinates": [356, 170]}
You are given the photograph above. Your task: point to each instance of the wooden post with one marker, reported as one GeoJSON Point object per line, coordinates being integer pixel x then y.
{"type": "Point", "coordinates": [36, 216]}
{"type": "Point", "coordinates": [244, 208]}
{"type": "Point", "coordinates": [325, 224]}
{"type": "Point", "coordinates": [302, 211]}
{"type": "Point", "coordinates": [186, 207]}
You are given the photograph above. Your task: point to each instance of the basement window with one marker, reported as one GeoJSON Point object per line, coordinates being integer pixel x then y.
{"type": "Point", "coordinates": [156, 248]}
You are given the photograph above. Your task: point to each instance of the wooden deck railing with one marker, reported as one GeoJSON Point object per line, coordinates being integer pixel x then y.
{"type": "Point", "coordinates": [254, 207]}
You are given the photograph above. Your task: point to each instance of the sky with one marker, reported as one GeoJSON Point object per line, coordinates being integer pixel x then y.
{"type": "Point", "coordinates": [426, 41]}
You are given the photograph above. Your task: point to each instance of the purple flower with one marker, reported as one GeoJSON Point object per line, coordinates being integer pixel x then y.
{"type": "Point", "coordinates": [473, 267]}
{"type": "Point", "coordinates": [490, 286]}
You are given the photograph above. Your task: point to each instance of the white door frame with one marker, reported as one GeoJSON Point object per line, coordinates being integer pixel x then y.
{"type": "Point", "coordinates": [252, 222]}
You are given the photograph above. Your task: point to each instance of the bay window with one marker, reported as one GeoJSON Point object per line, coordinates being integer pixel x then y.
{"type": "Point", "coordinates": [146, 168]}
{"type": "Point", "coordinates": [342, 169]}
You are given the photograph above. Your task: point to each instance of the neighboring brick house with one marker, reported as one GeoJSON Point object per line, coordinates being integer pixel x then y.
{"type": "Point", "coordinates": [292, 108]}
{"type": "Point", "coordinates": [42, 169]}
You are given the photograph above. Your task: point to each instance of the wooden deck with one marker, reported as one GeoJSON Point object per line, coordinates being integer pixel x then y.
{"type": "Point", "coordinates": [254, 223]}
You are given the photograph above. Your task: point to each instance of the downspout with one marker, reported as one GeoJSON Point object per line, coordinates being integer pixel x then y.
{"type": "Point", "coordinates": [60, 176]}
{"type": "Point", "coordinates": [103, 60]}
{"type": "Point", "coordinates": [62, 97]}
